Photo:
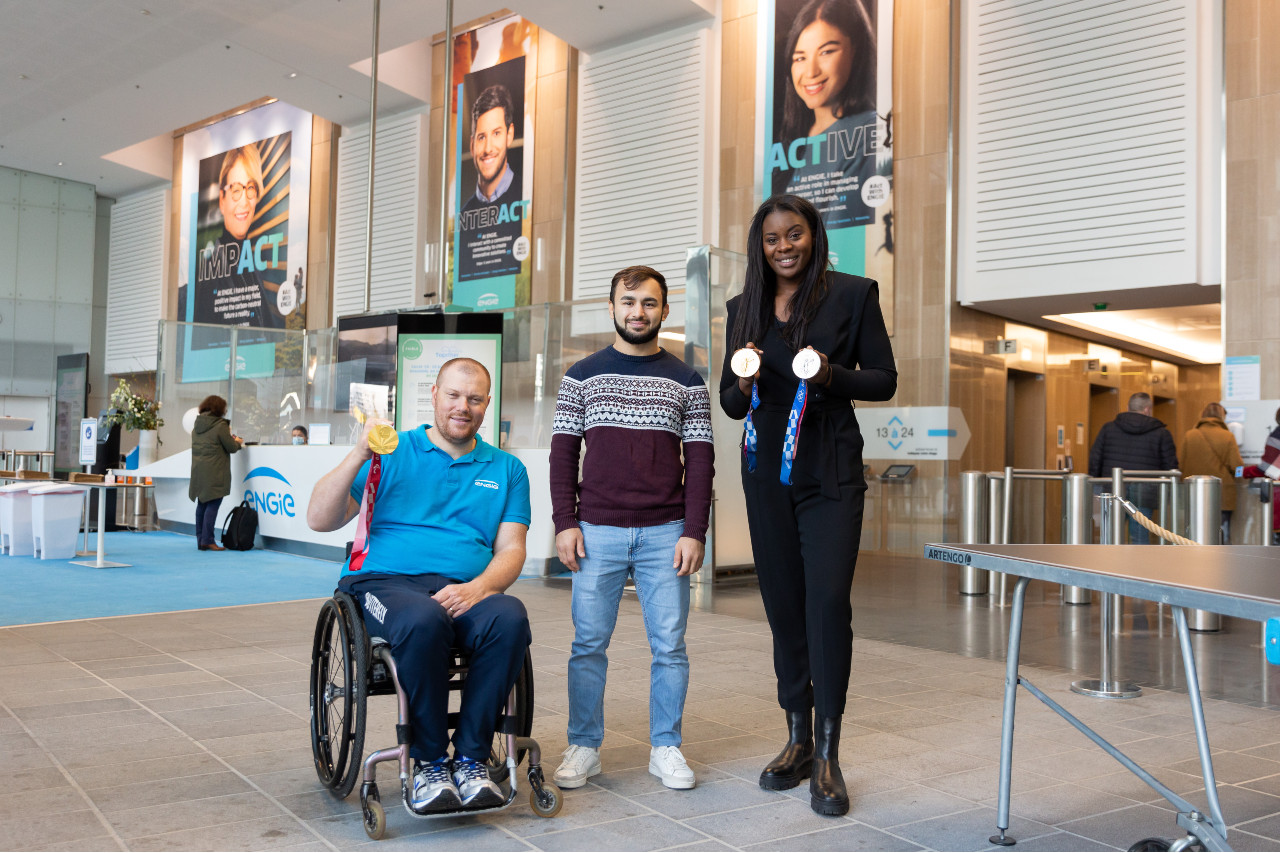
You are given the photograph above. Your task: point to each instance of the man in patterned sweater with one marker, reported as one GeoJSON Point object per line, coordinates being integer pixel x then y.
{"type": "Point", "coordinates": [640, 510]}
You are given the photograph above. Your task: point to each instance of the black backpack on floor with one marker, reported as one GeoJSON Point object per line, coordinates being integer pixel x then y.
{"type": "Point", "coordinates": [240, 528]}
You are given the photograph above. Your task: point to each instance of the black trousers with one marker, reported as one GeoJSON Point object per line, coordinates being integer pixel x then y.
{"type": "Point", "coordinates": [206, 516]}
{"type": "Point", "coordinates": [400, 609]}
{"type": "Point", "coordinates": [806, 547]}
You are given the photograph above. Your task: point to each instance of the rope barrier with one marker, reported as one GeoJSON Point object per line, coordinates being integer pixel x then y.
{"type": "Point", "coordinates": [1166, 535]}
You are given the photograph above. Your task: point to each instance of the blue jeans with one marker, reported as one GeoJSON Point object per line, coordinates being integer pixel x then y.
{"type": "Point", "coordinates": [612, 554]}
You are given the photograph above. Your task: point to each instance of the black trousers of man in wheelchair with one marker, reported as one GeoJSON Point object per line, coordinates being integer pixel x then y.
{"type": "Point", "coordinates": [495, 633]}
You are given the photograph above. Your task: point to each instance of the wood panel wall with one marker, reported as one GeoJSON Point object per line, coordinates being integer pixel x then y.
{"type": "Point", "coordinates": [1251, 285]}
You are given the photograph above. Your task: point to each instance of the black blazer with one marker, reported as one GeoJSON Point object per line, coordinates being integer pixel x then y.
{"type": "Point", "coordinates": [849, 329]}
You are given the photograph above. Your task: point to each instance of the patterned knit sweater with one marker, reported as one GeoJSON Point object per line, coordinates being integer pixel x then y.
{"type": "Point", "coordinates": [635, 413]}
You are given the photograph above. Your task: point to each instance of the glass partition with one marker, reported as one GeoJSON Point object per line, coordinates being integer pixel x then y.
{"type": "Point", "coordinates": [286, 381]}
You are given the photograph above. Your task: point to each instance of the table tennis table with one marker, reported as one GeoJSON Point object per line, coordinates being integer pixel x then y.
{"type": "Point", "coordinates": [1234, 580]}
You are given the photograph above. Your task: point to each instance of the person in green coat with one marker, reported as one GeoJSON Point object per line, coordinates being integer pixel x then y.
{"type": "Point", "coordinates": [211, 447]}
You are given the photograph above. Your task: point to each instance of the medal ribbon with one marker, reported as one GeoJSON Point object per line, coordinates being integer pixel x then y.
{"type": "Point", "coordinates": [361, 546]}
{"type": "Point", "coordinates": [792, 440]}
{"type": "Point", "coordinates": [750, 441]}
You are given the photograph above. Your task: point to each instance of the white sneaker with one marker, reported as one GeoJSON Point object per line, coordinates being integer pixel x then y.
{"type": "Point", "coordinates": [668, 764]}
{"type": "Point", "coordinates": [578, 765]}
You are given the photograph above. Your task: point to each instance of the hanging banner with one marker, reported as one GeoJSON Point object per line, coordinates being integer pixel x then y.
{"type": "Point", "coordinates": [828, 96]}
{"type": "Point", "coordinates": [246, 185]}
{"type": "Point", "coordinates": [493, 94]}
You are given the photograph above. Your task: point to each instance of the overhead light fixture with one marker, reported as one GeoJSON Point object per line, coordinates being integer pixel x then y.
{"type": "Point", "coordinates": [23, 77]}
{"type": "Point", "coordinates": [1150, 331]}
{"type": "Point", "coordinates": [293, 74]}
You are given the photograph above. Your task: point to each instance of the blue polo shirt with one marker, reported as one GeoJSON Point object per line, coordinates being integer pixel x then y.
{"type": "Point", "coordinates": [440, 515]}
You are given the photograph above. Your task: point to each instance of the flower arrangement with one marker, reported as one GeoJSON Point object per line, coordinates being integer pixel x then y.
{"type": "Point", "coordinates": [133, 411]}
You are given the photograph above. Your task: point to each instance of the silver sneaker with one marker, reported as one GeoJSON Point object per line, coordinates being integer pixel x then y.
{"type": "Point", "coordinates": [433, 788]}
{"type": "Point", "coordinates": [668, 764]}
{"type": "Point", "coordinates": [477, 789]}
{"type": "Point", "coordinates": [578, 765]}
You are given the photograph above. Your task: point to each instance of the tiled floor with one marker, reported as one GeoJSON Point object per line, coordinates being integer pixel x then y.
{"type": "Point", "coordinates": [189, 731]}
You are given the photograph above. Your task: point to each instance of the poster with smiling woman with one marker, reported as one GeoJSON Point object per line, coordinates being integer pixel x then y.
{"type": "Point", "coordinates": [243, 253]}
{"type": "Point", "coordinates": [828, 86]}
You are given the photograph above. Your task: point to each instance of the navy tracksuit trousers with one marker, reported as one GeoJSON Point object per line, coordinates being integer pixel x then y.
{"type": "Point", "coordinates": [400, 609]}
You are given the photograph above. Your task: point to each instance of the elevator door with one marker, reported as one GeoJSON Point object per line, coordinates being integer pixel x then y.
{"type": "Point", "coordinates": [1024, 445]}
{"type": "Point", "coordinates": [1104, 405]}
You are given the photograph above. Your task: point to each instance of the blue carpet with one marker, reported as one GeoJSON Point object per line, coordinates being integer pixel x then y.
{"type": "Point", "coordinates": [167, 573]}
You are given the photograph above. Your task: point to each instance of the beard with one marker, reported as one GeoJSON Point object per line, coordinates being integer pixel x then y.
{"type": "Point", "coordinates": [637, 338]}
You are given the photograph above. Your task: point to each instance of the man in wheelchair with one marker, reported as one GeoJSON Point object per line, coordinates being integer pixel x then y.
{"type": "Point", "coordinates": [430, 568]}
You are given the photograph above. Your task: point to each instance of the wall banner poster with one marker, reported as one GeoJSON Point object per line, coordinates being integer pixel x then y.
{"type": "Point", "coordinates": [828, 130]}
{"type": "Point", "coordinates": [494, 88]}
{"type": "Point", "coordinates": [246, 187]}
{"type": "Point", "coordinates": [421, 356]}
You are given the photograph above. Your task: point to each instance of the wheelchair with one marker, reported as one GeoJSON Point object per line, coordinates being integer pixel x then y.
{"type": "Point", "coordinates": [348, 667]}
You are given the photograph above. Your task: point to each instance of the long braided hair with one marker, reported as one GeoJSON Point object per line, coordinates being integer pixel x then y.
{"type": "Point", "coordinates": [756, 310]}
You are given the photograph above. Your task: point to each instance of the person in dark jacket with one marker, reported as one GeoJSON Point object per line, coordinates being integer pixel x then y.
{"type": "Point", "coordinates": [805, 530]}
{"type": "Point", "coordinates": [1134, 441]}
{"type": "Point", "coordinates": [211, 447]}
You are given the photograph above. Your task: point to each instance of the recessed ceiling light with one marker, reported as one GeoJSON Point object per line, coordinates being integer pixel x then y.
{"type": "Point", "coordinates": [146, 11]}
{"type": "Point", "coordinates": [59, 162]}
{"type": "Point", "coordinates": [293, 74]}
{"type": "Point", "coordinates": [23, 77]}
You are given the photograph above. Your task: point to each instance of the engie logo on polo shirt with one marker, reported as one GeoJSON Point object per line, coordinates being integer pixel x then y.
{"type": "Point", "coordinates": [488, 484]}
{"type": "Point", "coordinates": [270, 502]}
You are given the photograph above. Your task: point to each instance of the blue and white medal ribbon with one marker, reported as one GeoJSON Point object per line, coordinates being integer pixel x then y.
{"type": "Point", "coordinates": [749, 442]}
{"type": "Point", "coordinates": [805, 365]}
{"type": "Point", "coordinates": [745, 363]}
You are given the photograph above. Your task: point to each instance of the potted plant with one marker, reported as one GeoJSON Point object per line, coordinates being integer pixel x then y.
{"type": "Point", "coordinates": [134, 411]}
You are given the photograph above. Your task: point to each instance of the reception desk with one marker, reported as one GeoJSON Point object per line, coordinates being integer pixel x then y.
{"type": "Point", "coordinates": [278, 480]}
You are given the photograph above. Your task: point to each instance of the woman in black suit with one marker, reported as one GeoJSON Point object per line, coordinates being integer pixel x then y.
{"type": "Point", "coordinates": [806, 516]}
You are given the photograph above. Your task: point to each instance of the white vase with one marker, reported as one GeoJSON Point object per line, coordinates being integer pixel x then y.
{"type": "Point", "coordinates": [147, 442]}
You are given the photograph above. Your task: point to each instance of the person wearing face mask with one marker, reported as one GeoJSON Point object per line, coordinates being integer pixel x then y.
{"type": "Point", "coordinates": [300, 434]}
{"type": "Point", "coordinates": [802, 469]}
{"type": "Point", "coordinates": [230, 289]}
{"type": "Point", "coordinates": [831, 53]}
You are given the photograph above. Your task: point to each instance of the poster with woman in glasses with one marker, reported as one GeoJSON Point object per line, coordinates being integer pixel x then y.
{"type": "Point", "coordinates": [241, 275]}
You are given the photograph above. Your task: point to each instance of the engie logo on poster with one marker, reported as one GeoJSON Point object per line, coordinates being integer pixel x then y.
{"type": "Point", "coordinates": [271, 502]}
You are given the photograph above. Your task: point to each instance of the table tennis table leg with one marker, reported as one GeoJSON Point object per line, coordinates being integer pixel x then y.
{"type": "Point", "coordinates": [1202, 732]}
{"type": "Point", "coordinates": [1006, 724]}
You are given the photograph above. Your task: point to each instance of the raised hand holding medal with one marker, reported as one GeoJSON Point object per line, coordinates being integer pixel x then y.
{"type": "Point", "coordinates": [745, 364]}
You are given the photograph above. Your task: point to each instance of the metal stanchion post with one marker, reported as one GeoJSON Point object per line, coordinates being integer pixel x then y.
{"type": "Point", "coordinates": [1204, 526]}
{"type": "Point", "coordinates": [1079, 503]}
{"type": "Point", "coordinates": [973, 517]}
{"type": "Point", "coordinates": [1107, 686]}
{"type": "Point", "coordinates": [996, 485]}
{"type": "Point", "coordinates": [1268, 519]}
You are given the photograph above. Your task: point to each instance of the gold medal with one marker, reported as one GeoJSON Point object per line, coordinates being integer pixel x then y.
{"type": "Point", "coordinates": [383, 439]}
{"type": "Point", "coordinates": [745, 363]}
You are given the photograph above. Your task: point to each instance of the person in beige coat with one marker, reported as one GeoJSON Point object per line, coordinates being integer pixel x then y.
{"type": "Point", "coordinates": [1210, 449]}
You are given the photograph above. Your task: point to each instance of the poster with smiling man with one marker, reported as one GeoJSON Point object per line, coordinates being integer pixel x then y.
{"type": "Point", "coordinates": [492, 228]}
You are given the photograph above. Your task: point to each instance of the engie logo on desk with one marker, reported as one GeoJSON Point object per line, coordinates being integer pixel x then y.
{"type": "Point", "coordinates": [263, 499]}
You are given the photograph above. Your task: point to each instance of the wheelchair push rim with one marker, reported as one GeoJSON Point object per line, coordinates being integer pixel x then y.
{"type": "Point", "coordinates": [339, 664]}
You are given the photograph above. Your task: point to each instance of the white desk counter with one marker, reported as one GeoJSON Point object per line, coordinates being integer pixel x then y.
{"type": "Point", "coordinates": [278, 480]}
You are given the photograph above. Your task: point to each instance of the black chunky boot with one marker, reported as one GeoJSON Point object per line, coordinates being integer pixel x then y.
{"type": "Point", "coordinates": [827, 794]}
{"type": "Point", "coordinates": [793, 764]}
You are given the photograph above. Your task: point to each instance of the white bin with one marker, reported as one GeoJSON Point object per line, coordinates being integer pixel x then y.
{"type": "Point", "coordinates": [15, 519]}
{"type": "Point", "coordinates": [55, 520]}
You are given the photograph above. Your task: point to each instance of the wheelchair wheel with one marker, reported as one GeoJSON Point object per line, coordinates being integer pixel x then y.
{"type": "Point", "coordinates": [523, 723]}
{"type": "Point", "coordinates": [339, 683]}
